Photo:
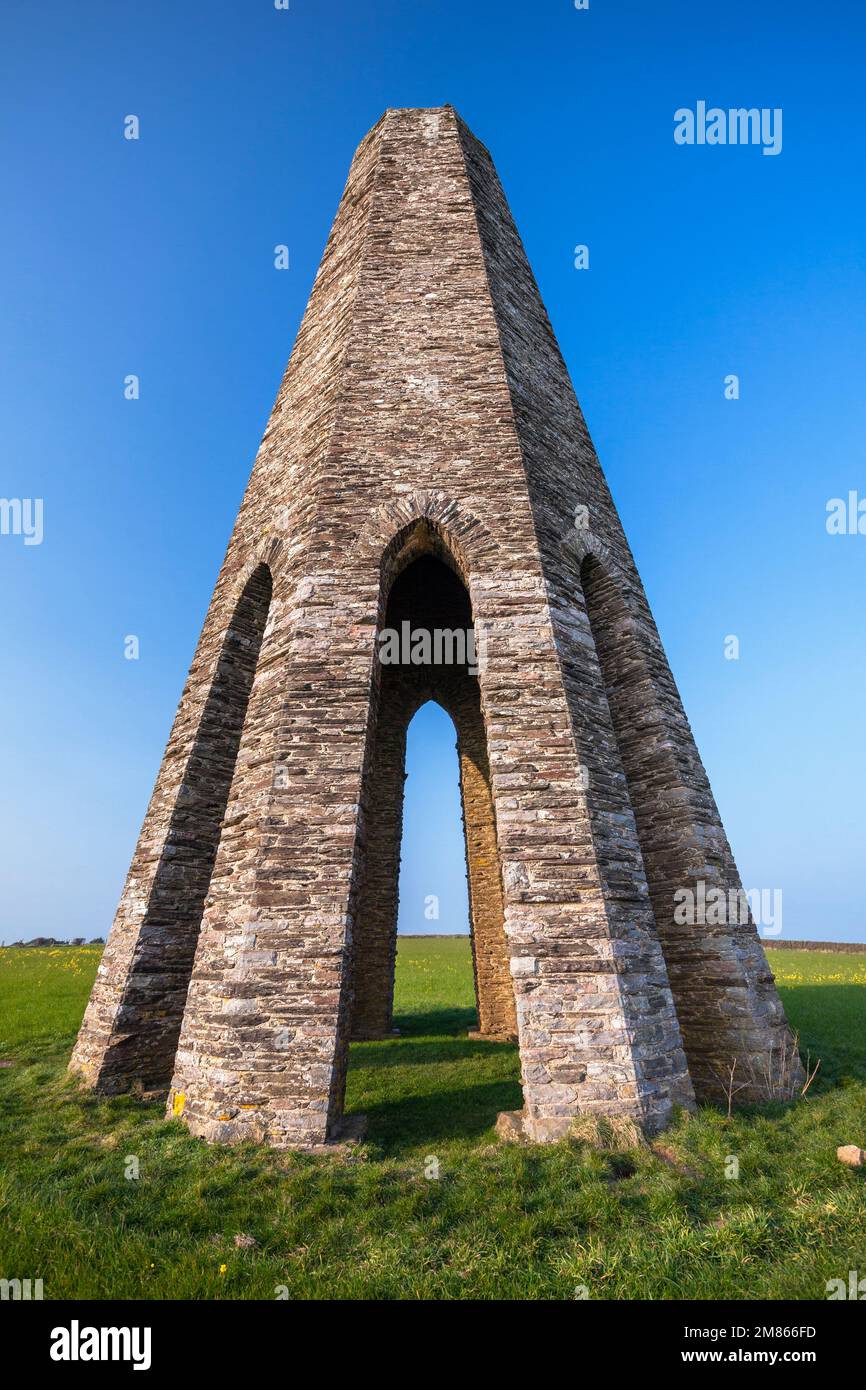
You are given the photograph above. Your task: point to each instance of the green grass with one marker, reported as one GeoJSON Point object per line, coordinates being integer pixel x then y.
{"type": "Point", "coordinates": [498, 1222]}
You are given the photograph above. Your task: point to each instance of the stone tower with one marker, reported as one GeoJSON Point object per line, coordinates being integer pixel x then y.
{"type": "Point", "coordinates": [426, 462]}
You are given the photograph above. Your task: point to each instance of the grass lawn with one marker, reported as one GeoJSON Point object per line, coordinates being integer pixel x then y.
{"type": "Point", "coordinates": [498, 1222]}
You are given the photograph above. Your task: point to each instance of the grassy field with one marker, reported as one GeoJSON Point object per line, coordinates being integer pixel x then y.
{"type": "Point", "coordinates": [497, 1222]}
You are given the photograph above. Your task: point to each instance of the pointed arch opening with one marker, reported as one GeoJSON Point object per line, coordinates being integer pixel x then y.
{"type": "Point", "coordinates": [426, 654]}
{"type": "Point", "coordinates": [433, 899]}
{"type": "Point", "coordinates": [151, 1010]}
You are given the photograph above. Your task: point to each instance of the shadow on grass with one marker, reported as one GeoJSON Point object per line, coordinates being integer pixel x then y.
{"type": "Point", "coordinates": [404, 1108]}
{"type": "Point", "coordinates": [441, 1022]}
{"type": "Point", "coordinates": [462, 1113]}
{"type": "Point", "coordinates": [426, 1051]}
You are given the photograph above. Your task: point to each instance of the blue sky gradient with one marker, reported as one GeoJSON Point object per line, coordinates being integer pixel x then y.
{"type": "Point", "coordinates": [155, 257]}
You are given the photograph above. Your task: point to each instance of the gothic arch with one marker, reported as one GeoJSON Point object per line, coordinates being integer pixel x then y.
{"type": "Point", "coordinates": [447, 527]}
{"type": "Point", "coordinates": [413, 564]}
{"type": "Point", "coordinates": [267, 554]}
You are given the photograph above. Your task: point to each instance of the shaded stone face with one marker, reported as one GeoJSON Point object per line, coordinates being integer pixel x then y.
{"type": "Point", "coordinates": [426, 464]}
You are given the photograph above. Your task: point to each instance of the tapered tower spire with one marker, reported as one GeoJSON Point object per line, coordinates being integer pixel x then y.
{"type": "Point", "coordinates": [426, 462]}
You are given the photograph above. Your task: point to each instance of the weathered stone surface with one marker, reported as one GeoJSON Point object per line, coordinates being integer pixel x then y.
{"type": "Point", "coordinates": [511, 1126]}
{"type": "Point", "coordinates": [425, 461]}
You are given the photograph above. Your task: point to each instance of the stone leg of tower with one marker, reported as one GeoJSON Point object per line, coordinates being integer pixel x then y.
{"type": "Point", "coordinates": [375, 935]}
{"type": "Point", "coordinates": [728, 1007]}
{"type": "Point", "coordinates": [729, 1011]}
{"type": "Point", "coordinates": [494, 988]}
{"type": "Point", "coordinates": [263, 1048]}
{"type": "Point", "coordinates": [132, 1022]}
{"type": "Point", "coordinates": [130, 1030]}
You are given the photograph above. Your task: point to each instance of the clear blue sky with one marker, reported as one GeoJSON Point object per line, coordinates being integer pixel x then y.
{"type": "Point", "coordinates": [156, 257]}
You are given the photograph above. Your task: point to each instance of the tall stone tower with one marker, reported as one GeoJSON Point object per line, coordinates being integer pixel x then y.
{"type": "Point", "coordinates": [426, 462]}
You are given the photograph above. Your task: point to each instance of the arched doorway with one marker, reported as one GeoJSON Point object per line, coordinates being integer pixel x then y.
{"type": "Point", "coordinates": [427, 651]}
{"type": "Point", "coordinates": [433, 895]}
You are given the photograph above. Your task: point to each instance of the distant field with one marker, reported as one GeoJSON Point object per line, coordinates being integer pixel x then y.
{"type": "Point", "coordinates": [497, 1222]}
